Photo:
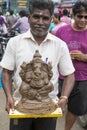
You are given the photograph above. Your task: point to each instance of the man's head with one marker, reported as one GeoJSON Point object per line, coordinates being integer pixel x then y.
{"type": "Point", "coordinates": [80, 14]}
{"type": "Point", "coordinates": [41, 4]}
{"type": "Point", "coordinates": [22, 13]}
{"type": "Point", "coordinates": [11, 12]}
{"type": "Point", "coordinates": [65, 12]}
{"type": "Point", "coordinates": [56, 18]}
{"type": "Point", "coordinates": [79, 7]}
{"type": "Point", "coordinates": [40, 17]}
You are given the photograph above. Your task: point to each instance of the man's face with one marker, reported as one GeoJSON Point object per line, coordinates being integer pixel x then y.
{"type": "Point", "coordinates": [81, 20]}
{"type": "Point", "coordinates": [39, 22]}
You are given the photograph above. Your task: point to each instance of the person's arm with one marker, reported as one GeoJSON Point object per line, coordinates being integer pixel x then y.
{"type": "Point", "coordinates": [7, 86]}
{"type": "Point", "coordinates": [17, 24]}
{"type": "Point", "coordinates": [78, 55]}
{"type": "Point", "coordinates": [67, 87]}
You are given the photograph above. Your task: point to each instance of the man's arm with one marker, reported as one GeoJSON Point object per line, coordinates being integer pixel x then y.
{"type": "Point", "coordinates": [7, 86]}
{"type": "Point", "coordinates": [67, 87]}
{"type": "Point", "coordinates": [17, 24]}
{"type": "Point", "coordinates": [78, 55]}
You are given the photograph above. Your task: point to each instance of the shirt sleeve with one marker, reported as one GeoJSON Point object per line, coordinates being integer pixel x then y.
{"type": "Point", "coordinates": [65, 65]}
{"type": "Point", "coordinates": [8, 60]}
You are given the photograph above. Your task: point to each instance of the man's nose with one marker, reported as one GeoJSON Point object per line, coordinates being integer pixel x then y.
{"type": "Point", "coordinates": [83, 19]}
{"type": "Point", "coordinates": [41, 20]}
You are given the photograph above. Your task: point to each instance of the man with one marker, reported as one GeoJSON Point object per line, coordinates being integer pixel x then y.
{"type": "Point", "coordinates": [11, 19]}
{"type": "Point", "coordinates": [22, 23]}
{"type": "Point", "coordinates": [22, 48]}
{"type": "Point", "coordinates": [65, 18]}
{"type": "Point", "coordinates": [75, 35]}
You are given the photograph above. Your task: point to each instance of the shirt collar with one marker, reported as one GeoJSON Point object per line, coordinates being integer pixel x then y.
{"type": "Point", "coordinates": [29, 35]}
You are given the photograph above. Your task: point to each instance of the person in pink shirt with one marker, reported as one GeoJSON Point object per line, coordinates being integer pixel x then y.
{"type": "Point", "coordinates": [75, 36]}
{"type": "Point", "coordinates": [58, 25]}
{"type": "Point", "coordinates": [22, 23]}
{"type": "Point", "coordinates": [65, 18]}
{"type": "Point", "coordinates": [3, 28]}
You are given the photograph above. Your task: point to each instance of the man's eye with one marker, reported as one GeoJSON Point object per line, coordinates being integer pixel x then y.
{"type": "Point", "coordinates": [43, 17]}
{"type": "Point", "coordinates": [46, 18]}
{"type": "Point", "coordinates": [36, 16]}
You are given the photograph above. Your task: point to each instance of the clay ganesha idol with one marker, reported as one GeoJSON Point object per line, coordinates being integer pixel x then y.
{"type": "Point", "coordinates": [36, 86]}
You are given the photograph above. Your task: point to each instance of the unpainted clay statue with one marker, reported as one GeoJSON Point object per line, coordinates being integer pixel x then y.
{"type": "Point", "coordinates": [36, 86]}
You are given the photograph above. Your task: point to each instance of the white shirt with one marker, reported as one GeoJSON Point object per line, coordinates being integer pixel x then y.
{"type": "Point", "coordinates": [22, 48]}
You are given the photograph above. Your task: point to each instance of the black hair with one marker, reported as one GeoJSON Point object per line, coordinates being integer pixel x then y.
{"type": "Point", "coordinates": [80, 6]}
{"type": "Point", "coordinates": [56, 15]}
{"type": "Point", "coordinates": [65, 12]}
{"type": "Point", "coordinates": [41, 4]}
{"type": "Point", "coordinates": [11, 12]}
{"type": "Point", "coordinates": [23, 13]}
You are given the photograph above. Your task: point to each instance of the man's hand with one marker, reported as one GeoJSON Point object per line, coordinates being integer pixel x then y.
{"type": "Point", "coordinates": [62, 103]}
{"type": "Point", "coordinates": [77, 55]}
{"type": "Point", "coordinates": [7, 86]}
{"type": "Point", "coordinates": [9, 103]}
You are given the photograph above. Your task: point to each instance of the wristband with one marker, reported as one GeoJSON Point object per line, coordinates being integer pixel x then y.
{"type": "Point", "coordinates": [64, 97]}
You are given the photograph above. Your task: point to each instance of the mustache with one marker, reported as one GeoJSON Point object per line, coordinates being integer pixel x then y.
{"type": "Point", "coordinates": [39, 26]}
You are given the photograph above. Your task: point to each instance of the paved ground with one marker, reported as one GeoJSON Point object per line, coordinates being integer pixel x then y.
{"type": "Point", "coordinates": [4, 120]}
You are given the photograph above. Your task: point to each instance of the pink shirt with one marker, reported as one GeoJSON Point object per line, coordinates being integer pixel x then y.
{"type": "Point", "coordinates": [3, 28]}
{"type": "Point", "coordinates": [75, 40]}
{"type": "Point", "coordinates": [65, 19]}
{"type": "Point", "coordinates": [23, 24]}
{"type": "Point", "coordinates": [57, 27]}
